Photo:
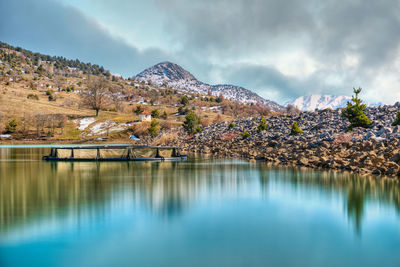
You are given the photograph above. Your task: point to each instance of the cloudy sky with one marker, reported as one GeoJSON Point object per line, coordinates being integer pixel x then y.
{"type": "Point", "coordinates": [279, 49]}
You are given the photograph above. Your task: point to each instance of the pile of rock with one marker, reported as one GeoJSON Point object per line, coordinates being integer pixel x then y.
{"type": "Point", "coordinates": [324, 143]}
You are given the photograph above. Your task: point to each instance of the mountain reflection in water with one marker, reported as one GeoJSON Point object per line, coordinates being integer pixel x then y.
{"type": "Point", "coordinates": [32, 191]}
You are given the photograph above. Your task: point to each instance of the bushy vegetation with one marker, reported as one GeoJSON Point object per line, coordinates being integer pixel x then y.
{"type": "Point", "coordinates": [155, 113]}
{"type": "Point", "coordinates": [220, 98]}
{"type": "Point", "coordinates": [164, 115]}
{"type": "Point", "coordinates": [295, 129]}
{"type": "Point", "coordinates": [11, 126]}
{"type": "Point", "coordinates": [138, 110]}
{"type": "Point", "coordinates": [191, 123]}
{"type": "Point", "coordinates": [231, 126]}
{"type": "Point", "coordinates": [397, 120]}
{"type": "Point", "coordinates": [154, 128]}
{"type": "Point", "coordinates": [51, 95]}
{"type": "Point", "coordinates": [32, 96]}
{"type": "Point", "coordinates": [69, 89]}
{"type": "Point", "coordinates": [263, 124]}
{"type": "Point", "coordinates": [184, 100]}
{"type": "Point", "coordinates": [245, 135]}
{"type": "Point", "coordinates": [354, 112]}
{"type": "Point", "coordinates": [183, 111]}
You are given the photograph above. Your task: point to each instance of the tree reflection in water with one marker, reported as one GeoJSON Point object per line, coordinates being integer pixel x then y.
{"type": "Point", "coordinates": [357, 190]}
{"type": "Point", "coordinates": [31, 190]}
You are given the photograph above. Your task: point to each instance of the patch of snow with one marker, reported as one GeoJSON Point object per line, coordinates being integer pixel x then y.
{"type": "Point", "coordinates": [84, 123]}
{"type": "Point", "coordinates": [5, 136]}
{"type": "Point", "coordinates": [110, 126]}
{"type": "Point", "coordinates": [96, 129]}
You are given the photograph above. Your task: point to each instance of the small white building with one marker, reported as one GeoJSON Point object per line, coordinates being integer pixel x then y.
{"type": "Point", "coordinates": [145, 116]}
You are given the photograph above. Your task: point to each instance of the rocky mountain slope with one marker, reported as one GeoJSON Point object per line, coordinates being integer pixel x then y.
{"type": "Point", "coordinates": [324, 143]}
{"type": "Point", "coordinates": [167, 74]}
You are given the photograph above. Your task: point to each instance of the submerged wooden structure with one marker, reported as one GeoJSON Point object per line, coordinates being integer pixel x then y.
{"type": "Point", "coordinates": [114, 153]}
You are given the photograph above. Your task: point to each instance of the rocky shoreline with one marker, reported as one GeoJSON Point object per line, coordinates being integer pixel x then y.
{"type": "Point", "coordinates": [323, 145]}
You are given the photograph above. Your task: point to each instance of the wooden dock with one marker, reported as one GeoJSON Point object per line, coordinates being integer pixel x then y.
{"type": "Point", "coordinates": [114, 153]}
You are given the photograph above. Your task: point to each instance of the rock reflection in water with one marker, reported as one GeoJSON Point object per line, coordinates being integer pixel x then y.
{"type": "Point", "coordinates": [32, 190]}
{"type": "Point", "coordinates": [356, 190]}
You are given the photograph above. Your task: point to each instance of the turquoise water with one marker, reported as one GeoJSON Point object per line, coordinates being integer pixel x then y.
{"type": "Point", "coordinates": [202, 212]}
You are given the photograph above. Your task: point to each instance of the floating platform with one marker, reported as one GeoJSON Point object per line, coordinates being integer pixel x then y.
{"type": "Point", "coordinates": [114, 153]}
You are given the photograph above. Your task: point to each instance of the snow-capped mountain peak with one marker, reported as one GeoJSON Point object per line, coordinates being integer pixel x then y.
{"type": "Point", "coordinates": [312, 102]}
{"type": "Point", "coordinates": [167, 74]}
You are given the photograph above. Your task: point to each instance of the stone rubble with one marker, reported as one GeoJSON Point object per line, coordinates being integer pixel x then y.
{"type": "Point", "coordinates": [324, 143]}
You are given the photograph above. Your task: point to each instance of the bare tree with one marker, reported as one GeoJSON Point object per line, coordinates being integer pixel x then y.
{"type": "Point", "coordinates": [61, 122]}
{"type": "Point", "coordinates": [291, 109]}
{"type": "Point", "coordinates": [1, 122]}
{"type": "Point", "coordinates": [39, 122]}
{"type": "Point", "coordinates": [116, 95]}
{"type": "Point", "coordinates": [26, 122]}
{"type": "Point", "coordinates": [59, 82]}
{"type": "Point", "coordinates": [96, 93]}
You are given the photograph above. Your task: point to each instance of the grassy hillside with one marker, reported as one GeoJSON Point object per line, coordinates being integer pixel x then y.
{"type": "Point", "coordinates": [43, 96]}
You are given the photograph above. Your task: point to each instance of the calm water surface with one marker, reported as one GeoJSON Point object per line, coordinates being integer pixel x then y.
{"type": "Point", "coordinates": [195, 213]}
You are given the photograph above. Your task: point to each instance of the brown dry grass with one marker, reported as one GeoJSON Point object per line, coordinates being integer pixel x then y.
{"type": "Point", "coordinates": [164, 139]}
{"type": "Point", "coordinates": [14, 103]}
{"type": "Point", "coordinates": [141, 128]}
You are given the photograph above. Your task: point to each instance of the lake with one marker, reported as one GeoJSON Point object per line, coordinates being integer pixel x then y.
{"type": "Point", "coordinates": [203, 212]}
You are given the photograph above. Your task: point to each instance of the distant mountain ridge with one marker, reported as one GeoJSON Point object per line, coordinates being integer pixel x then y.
{"type": "Point", "coordinates": [59, 63]}
{"type": "Point", "coordinates": [312, 102]}
{"type": "Point", "coordinates": [167, 74]}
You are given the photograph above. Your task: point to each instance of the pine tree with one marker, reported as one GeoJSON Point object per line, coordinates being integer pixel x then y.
{"type": "Point", "coordinates": [184, 100]}
{"type": "Point", "coordinates": [397, 120]}
{"type": "Point", "coordinates": [154, 128]}
{"type": "Point", "coordinates": [295, 129]}
{"type": "Point", "coordinates": [263, 124]}
{"type": "Point", "coordinates": [138, 109]}
{"type": "Point", "coordinates": [192, 121]}
{"type": "Point", "coordinates": [354, 112]}
{"type": "Point", "coordinates": [245, 134]}
{"type": "Point", "coordinates": [11, 127]}
{"type": "Point", "coordinates": [155, 113]}
{"type": "Point", "coordinates": [164, 115]}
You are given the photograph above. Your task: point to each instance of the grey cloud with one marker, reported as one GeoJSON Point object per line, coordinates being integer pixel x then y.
{"type": "Point", "coordinates": [234, 25]}
{"type": "Point", "coordinates": [370, 29]}
{"type": "Point", "coordinates": [53, 28]}
{"type": "Point", "coordinates": [212, 35]}
{"type": "Point", "coordinates": [263, 79]}
{"type": "Point", "coordinates": [328, 31]}
{"type": "Point", "coordinates": [268, 82]}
